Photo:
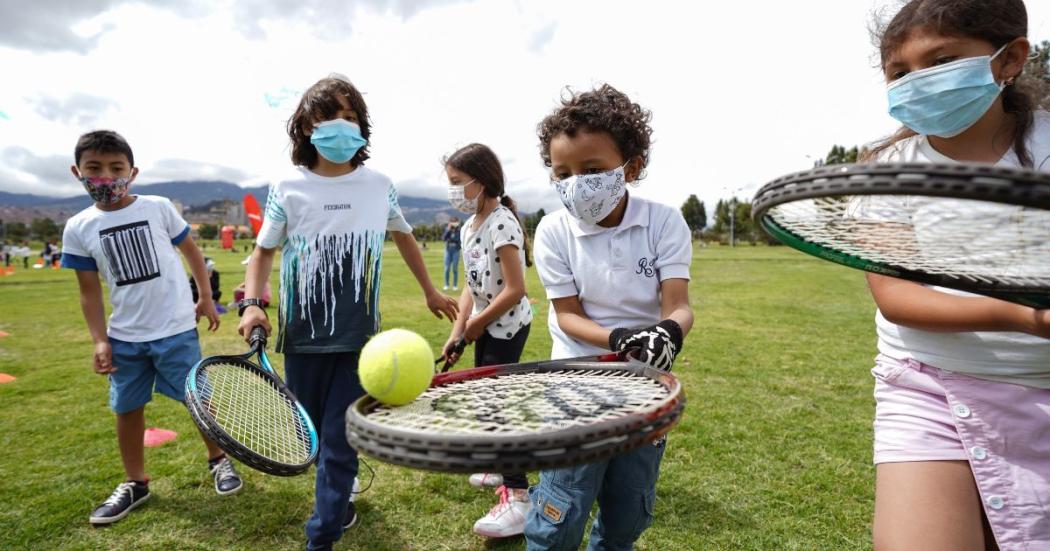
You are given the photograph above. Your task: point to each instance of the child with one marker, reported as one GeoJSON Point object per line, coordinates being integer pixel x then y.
{"type": "Point", "coordinates": [494, 312]}
{"type": "Point", "coordinates": [151, 339]}
{"type": "Point", "coordinates": [330, 220]}
{"type": "Point", "coordinates": [962, 382]}
{"type": "Point", "coordinates": [616, 269]}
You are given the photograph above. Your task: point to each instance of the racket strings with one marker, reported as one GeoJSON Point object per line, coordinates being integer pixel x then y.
{"type": "Point", "coordinates": [977, 241]}
{"type": "Point", "coordinates": [525, 403]}
{"type": "Point", "coordinates": [254, 412]}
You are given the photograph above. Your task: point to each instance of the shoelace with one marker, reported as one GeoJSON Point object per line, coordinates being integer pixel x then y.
{"type": "Point", "coordinates": [224, 469]}
{"type": "Point", "coordinates": [504, 500]}
{"type": "Point", "coordinates": [122, 488]}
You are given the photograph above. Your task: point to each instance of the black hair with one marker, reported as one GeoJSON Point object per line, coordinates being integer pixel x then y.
{"type": "Point", "coordinates": [605, 109]}
{"type": "Point", "coordinates": [320, 103]}
{"type": "Point", "coordinates": [479, 162]}
{"type": "Point", "coordinates": [103, 141]}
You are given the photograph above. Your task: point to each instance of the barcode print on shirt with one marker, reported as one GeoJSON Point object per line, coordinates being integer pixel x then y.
{"type": "Point", "coordinates": [130, 252]}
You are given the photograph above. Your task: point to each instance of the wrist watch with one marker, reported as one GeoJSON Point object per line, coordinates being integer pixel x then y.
{"type": "Point", "coordinates": [249, 302]}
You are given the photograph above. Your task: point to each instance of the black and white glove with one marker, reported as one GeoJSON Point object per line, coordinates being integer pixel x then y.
{"type": "Point", "coordinates": [657, 345]}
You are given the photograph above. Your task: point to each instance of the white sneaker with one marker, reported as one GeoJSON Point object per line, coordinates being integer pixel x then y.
{"type": "Point", "coordinates": [356, 490]}
{"type": "Point", "coordinates": [486, 480]}
{"type": "Point", "coordinates": [445, 288]}
{"type": "Point", "coordinates": [506, 519]}
{"type": "Point", "coordinates": [455, 287]}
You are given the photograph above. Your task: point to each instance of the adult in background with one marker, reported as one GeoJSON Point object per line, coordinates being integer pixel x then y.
{"type": "Point", "coordinates": [452, 247]}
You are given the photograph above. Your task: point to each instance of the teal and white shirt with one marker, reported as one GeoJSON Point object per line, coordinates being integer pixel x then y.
{"type": "Point", "coordinates": [331, 232]}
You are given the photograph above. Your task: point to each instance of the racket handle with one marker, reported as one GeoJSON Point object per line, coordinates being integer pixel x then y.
{"type": "Point", "coordinates": [257, 338]}
{"type": "Point", "coordinates": [457, 349]}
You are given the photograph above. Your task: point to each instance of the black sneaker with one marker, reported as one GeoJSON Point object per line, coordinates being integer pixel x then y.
{"type": "Point", "coordinates": [226, 480]}
{"type": "Point", "coordinates": [126, 497]}
{"type": "Point", "coordinates": [351, 509]}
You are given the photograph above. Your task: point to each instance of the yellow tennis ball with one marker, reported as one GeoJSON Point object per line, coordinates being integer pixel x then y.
{"type": "Point", "coordinates": [396, 366]}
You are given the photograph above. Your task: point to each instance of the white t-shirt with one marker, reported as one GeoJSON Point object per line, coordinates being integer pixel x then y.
{"type": "Point", "coordinates": [484, 274]}
{"type": "Point", "coordinates": [1017, 358]}
{"type": "Point", "coordinates": [331, 230]}
{"type": "Point", "coordinates": [133, 249]}
{"type": "Point", "coordinates": [616, 272]}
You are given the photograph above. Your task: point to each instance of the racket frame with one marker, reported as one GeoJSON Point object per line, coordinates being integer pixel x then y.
{"type": "Point", "coordinates": [207, 424]}
{"type": "Point", "coordinates": [520, 452]}
{"type": "Point", "coordinates": [1018, 187]}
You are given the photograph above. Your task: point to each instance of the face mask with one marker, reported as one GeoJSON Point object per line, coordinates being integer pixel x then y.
{"type": "Point", "coordinates": [946, 99]}
{"type": "Point", "coordinates": [457, 197]}
{"type": "Point", "coordinates": [591, 197]}
{"type": "Point", "coordinates": [337, 140]}
{"type": "Point", "coordinates": [106, 191]}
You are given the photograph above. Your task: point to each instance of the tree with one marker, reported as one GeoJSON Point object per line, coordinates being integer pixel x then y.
{"type": "Point", "coordinates": [533, 220]}
{"type": "Point", "coordinates": [208, 231]}
{"type": "Point", "coordinates": [694, 213]}
{"type": "Point", "coordinates": [838, 155]}
{"type": "Point", "coordinates": [45, 229]}
{"type": "Point", "coordinates": [1037, 74]}
{"type": "Point", "coordinates": [16, 231]}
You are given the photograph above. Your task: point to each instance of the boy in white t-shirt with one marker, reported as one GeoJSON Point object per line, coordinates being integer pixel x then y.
{"type": "Point", "coordinates": [616, 270]}
{"type": "Point", "coordinates": [151, 341]}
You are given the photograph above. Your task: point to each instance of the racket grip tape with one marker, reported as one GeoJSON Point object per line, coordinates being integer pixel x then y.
{"type": "Point", "coordinates": [257, 338]}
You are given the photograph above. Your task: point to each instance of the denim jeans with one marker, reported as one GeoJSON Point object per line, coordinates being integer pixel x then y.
{"type": "Point", "coordinates": [452, 263]}
{"type": "Point", "coordinates": [625, 488]}
{"type": "Point", "coordinates": [326, 384]}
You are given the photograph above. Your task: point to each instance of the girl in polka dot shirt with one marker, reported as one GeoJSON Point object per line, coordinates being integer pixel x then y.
{"type": "Point", "coordinates": [495, 314]}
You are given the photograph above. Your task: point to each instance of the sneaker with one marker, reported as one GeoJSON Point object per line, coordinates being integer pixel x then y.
{"type": "Point", "coordinates": [506, 519]}
{"type": "Point", "coordinates": [126, 497]}
{"type": "Point", "coordinates": [486, 480]}
{"type": "Point", "coordinates": [351, 510]}
{"type": "Point", "coordinates": [455, 287]}
{"type": "Point", "coordinates": [226, 480]}
{"type": "Point", "coordinates": [445, 288]}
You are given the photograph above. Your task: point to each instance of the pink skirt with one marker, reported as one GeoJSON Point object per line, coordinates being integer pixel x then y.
{"type": "Point", "coordinates": [927, 414]}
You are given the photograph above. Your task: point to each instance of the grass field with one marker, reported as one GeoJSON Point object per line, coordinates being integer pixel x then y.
{"type": "Point", "coordinates": [773, 452]}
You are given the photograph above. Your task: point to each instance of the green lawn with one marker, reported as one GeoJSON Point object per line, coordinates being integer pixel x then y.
{"type": "Point", "coordinates": [773, 452]}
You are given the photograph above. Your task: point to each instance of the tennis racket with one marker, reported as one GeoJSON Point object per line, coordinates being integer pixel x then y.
{"type": "Point", "coordinates": [977, 228]}
{"type": "Point", "coordinates": [457, 348]}
{"type": "Point", "coordinates": [248, 411]}
{"type": "Point", "coordinates": [522, 417]}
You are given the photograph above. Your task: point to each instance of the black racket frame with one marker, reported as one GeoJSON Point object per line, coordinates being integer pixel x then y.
{"type": "Point", "coordinates": [981, 182]}
{"type": "Point", "coordinates": [519, 453]}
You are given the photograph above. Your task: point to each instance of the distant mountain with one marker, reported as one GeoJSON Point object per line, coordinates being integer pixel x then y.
{"type": "Point", "coordinates": [418, 210]}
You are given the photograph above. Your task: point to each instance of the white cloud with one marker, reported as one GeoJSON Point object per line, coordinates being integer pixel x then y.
{"type": "Point", "coordinates": [740, 92]}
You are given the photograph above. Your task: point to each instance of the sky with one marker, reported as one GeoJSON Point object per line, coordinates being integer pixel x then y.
{"type": "Point", "coordinates": [740, 92]}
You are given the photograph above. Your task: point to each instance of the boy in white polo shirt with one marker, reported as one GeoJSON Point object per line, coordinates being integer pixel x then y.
{"type": "Point", "coordinates": [616, 270]}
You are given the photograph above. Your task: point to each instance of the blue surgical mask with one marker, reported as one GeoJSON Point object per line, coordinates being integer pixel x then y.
{"type": "Point", "coordinates": [945, 100]}
{"type": "Point", "coordinates": [337, 140]}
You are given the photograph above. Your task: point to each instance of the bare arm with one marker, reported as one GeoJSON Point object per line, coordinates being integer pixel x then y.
{"type": "Point", "coordinates": [674, 303]}
{"type": "Point", "coordinates": [514, 289]}
{"type": "Point", "coordinates": [437, 302]}
{"type": "Point", "coordinates": [912, 305]}
{"type": "Point", "coordinates": [205, 305]}
{"type": "Point", "coordinates": [574, 321]}
{"type": "Point", "coordinates": [95, 316]}
{"type": "Point", "coordinates": [255, 277]}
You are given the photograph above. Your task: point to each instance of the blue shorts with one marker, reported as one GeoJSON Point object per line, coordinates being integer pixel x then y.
{"type": "Point", "coordinates": [144, 366]}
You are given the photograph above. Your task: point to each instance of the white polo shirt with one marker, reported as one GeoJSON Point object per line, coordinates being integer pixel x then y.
{"type": "Point", "coordinates": [616, 272]}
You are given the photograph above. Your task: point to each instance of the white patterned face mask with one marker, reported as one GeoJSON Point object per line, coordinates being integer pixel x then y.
{"type": "Point", "coordinates": [591, 197]}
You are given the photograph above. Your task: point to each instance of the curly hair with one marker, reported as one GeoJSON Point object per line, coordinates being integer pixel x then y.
{"type": "Point", "coordinates": [321, 103]}
{"type": "Point", "coordinates": [603, 110]}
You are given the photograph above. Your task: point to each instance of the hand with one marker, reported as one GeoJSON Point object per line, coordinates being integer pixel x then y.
{"type": "Point", "coordinates": [448, 351]}
{"type": "Point", "coordinates": [1040, 323]}
{"type": "Point", "coordinates": [440, 303]}
{"type": "Point", "coordinates": [474, 330]}
{"type": "Point", "coordinates": [254, 316]}
{"type": "Point", "coordinates": [103, 360]}
{"type": "Point", "coordinates": [657, 345]}
{"type": "Point", "coordinates": [206, 308]}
